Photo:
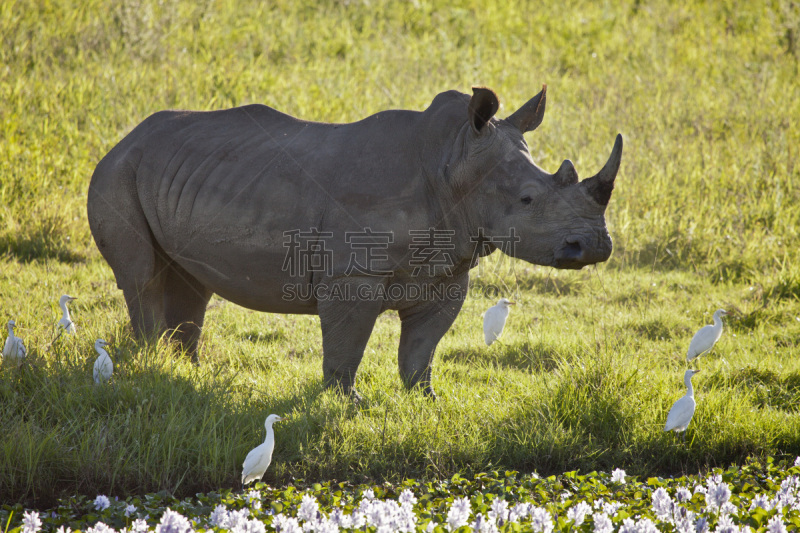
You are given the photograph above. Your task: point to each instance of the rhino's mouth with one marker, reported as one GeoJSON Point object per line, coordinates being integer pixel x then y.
{"type": "Point", "coordinates": [575, 254]}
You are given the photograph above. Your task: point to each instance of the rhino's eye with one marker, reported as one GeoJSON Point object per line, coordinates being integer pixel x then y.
{"type": "Point", "coordinates": [526, 200]}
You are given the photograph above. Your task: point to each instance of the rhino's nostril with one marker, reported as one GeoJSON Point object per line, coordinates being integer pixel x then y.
{"type": "Point", "coordinates": [572, 249]}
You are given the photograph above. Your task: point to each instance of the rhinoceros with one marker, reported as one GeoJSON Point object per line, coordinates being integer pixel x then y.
{"type": "Point", "coordinates": [345, 221]}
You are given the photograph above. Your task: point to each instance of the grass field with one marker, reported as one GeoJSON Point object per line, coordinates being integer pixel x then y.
{"type": "Point", "coordinates": [704, 215]}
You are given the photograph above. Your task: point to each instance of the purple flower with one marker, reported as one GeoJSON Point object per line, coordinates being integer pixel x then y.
{"type": "Point", "coordinates": [173, 522]}
{"type": "Point", "coordinates": [701, 526]}
{"type": "Point", "coordinates": [682, 494]}
{"type": "Point", "coordinates": [618, 476]}
{"type": "Point", "coordinates": [662, 504]}
{"type": "Point", "coordinates": [717, 494]}
{"type": "Point", "coordinates": [101, 502]}
{"type": "Point", "coordinates": [775, 525]}
{"type": "Point", "coordinates": [483, 525]}
{"type": "Point", "coordinates": [129, 510]}
{"type": "Point", "coordinates": [541, 520]}
{"type": "Point", "coordinates": [31, 523]}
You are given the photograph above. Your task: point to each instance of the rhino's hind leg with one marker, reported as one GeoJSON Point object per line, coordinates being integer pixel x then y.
{"type": "Point", "coordinates": [185, 302]}
{"type": "Point", "coordinates": [422, 327]}
{"type": "Point", "coordinates": [346, 327]}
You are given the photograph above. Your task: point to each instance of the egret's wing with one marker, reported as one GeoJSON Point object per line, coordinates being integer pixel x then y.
{"type": "Point", "coordinates": [21, 351]}
{"type": "Point", "coordinates": [702, 341]}
{"type": "Point", "coordinates": [9, 345]}
{"type": "Point", "coordinates": [680, 414]}
{"type": "Point", "coordinates": [256, 463]}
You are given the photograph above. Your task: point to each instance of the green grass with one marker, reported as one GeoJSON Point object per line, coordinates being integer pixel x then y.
{"type": "Point", "coordinates": [705, 215]}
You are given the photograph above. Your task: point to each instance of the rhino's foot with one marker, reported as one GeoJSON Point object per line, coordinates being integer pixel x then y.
{"type": "Point", "coordinates": [429, 393]}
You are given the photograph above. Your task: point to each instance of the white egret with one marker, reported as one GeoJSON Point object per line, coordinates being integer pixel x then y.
{"type": "Point", "coordinates": [103, 367]}
{"type": "Point", "coordinates": [259, 458]}
{"type": "Point", "coordinates": [494, 320]}
{"type": "Point", "coordinates": [14, 349]}
{"type": "Point", "coordinates": [66, 323]}
{"type": "Point", "coordinates": [682, 410]}
{"type": "Point", "coordinates": [706, 337]}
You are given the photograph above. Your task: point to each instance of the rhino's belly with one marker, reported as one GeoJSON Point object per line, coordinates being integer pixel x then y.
{"type": "Point", "coordinates": [256, 278]}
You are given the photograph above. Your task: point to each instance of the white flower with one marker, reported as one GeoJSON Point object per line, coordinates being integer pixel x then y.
{"type": "Point", "coordinates": [129, 510]}
{"type": "Point", "coordinates": [645, 525]}
{"type": "Point", "coordinates": [218, 516]}
{"type": "Point", "coordinates": [700, 489]}
{"type": "Point", "coordinates": [797, 461]}
{"type": "Point", "coordinates": [253, 499]}
{"type": "Point", "coordinates": [284, 524]}
{"type": "Point", "coordinates": [775, 525]}
{"type": "Point", "coordinates": [31, 523]}
{"type": "Point", "coordinates": [662, 503]}
{"type": "Point", "coordinates": [628, 526]}
{"type": "Point", "coordinates": [577, 513]}
{"type": "Point", "coordinates": [602, 523]}
{"type": "Point", "coordinates": [541, 520]}
{"type": "Point", "coordinates": [309, 508]}
{"type": "Point", "coordinates": [139, 526]}
{"type": "Point", "coordinates": [368, 494]}
{"type": "Point", "coordinates": [173, 522]}
{"type": "Point", "coordinates": [499, 513]}
{"type": "Point", "coordinates": [458, 515]}
{"type": "Point", "coordinates": [100, 527]}
{"type": "Point", "coordinates": [725, 525]}
{"type": "Point", "coordinates": [407, 498]}
{"type": "Point", "coordinates": [618, 476]}
{"type": "Point", "coordinates": [431, 526]}
{"type": "Point", "coordinates": [611, 508]}
{"type": "Point", "coordinates": [101, 502]}
{"type": "Point", "coordinates": [519, 511]}
{"type": "Point", "coordinates": [64, 529]}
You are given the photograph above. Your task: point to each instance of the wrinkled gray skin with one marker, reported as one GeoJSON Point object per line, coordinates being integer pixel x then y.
{"type": "Point", "coordinates": [195, 203]}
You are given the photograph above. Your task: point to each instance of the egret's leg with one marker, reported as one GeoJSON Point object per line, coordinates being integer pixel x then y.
{"type": "Point", "coordinates": [185, 302]}
{"type": "Point", "coordinates": [346, 326]}
{"type": "Point", "coordinates": [423, 326]}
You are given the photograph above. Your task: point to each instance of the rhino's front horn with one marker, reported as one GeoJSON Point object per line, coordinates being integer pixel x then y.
{"type": "Point", "coordinates": [601, 184]}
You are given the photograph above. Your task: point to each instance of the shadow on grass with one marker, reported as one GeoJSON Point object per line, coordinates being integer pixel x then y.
{"type": "Point", "coordinates": [150, 429]}
{"type": "Point", "coordinates": [26, 249]}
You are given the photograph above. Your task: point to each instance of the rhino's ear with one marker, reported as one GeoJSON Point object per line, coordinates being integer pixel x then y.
{"type": "Point", "coordinates": [482, 107]}
{"type": "Point", "coordinates": [529, 116]}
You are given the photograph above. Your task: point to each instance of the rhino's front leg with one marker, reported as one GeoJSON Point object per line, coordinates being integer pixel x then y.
{"type": "Point", "coordinates": [346, 327]}
{"type": "Point", "coordinates": [422, 328]}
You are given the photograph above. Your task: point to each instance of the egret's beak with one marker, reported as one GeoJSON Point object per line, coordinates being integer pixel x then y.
{"type": "Point", "coordinates": [512, 303]}
{"type": "Point", "coordinates": [280, 419]}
